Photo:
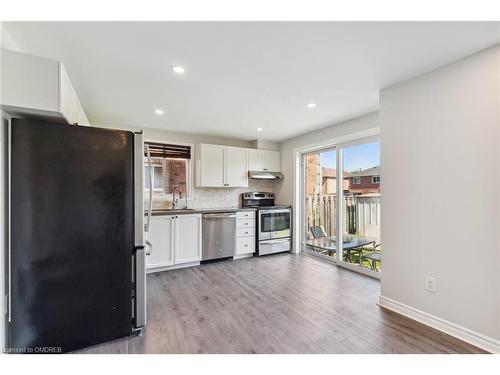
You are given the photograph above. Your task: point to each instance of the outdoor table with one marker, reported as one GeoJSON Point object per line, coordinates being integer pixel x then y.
{"type": "Point", "coordinates": [350, 243]}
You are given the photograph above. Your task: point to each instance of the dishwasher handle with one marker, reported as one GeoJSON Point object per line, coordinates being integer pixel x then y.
{"type": "Point", "coordinates": [218, 216]}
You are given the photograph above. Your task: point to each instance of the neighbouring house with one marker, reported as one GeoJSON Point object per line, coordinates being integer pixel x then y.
{"type": "Point", "coordinates": [322, 180]}
{"type": "Point", "coordinates": [366, 181]}
{"type": "Point", "coordinates": [329, 181]}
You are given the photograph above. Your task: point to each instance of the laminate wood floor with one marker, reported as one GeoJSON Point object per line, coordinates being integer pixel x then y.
{"type": "Point", "coordinates": [281, 303]}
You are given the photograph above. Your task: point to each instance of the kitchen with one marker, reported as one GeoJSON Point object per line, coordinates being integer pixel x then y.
{"type": "Point", "coordinates": [201, 202]}
{"type": "Point", "coordinates": [194, 187]}
{"type": "Point", "coordinates": [183, 231]}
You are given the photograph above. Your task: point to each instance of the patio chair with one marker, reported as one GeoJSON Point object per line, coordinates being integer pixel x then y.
{"type": "Point", "coordinates": [317, 231]}
{"type": "Point", "coordinates": [373, 256]}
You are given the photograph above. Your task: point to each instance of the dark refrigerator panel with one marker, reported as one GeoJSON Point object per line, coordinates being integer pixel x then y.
{"type": "Point", "coordinates": [72, 235]}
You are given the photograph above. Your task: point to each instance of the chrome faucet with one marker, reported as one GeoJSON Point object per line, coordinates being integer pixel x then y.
{"type": "Point", "coordinates": [176, 200]}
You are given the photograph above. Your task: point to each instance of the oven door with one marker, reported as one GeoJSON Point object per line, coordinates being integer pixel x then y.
{"type": "Point", "coordinates": [274, 224]}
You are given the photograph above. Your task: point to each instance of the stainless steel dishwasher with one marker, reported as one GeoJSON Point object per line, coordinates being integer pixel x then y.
{"type": "Point", "coordinates": [219, 235]}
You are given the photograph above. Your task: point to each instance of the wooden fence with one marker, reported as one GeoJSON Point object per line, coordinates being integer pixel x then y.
{"type": "Point", "coordinates": [361, 214]}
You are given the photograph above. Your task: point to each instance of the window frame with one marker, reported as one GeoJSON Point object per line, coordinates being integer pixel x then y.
{"type": "Point", "coordinates": [153, 179]}
{"type": "Point", "coordinates": [373, 179]}
{"type": "Point", "coordinates": [189, 166]}
{"type": "Point", "coordinates": [356, 179]}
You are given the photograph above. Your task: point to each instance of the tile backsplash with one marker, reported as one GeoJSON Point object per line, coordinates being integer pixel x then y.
{"type": "Point", "coordinates": [225, 197]}
{"type": "Point", "coordinates": [212, 197]}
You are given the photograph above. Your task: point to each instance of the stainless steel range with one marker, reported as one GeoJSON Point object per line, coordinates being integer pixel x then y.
{"type": "Point", "coordinates": [274, 233]}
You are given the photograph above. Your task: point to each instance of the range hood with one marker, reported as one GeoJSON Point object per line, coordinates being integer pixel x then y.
{"type": "Point", "coordinates": [265, 175]}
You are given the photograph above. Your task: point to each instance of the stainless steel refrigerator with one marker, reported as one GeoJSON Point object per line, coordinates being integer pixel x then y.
{"type": "Point", "coordinates": [76, 255]}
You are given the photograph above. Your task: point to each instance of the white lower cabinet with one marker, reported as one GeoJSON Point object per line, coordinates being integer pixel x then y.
{"type": "Point", "coordinates": [245, 233]}
{"type": "Point", "coordinates": [187, 239]}
{"type": "Point", "coordinates": [176, 240]}
{"type": "Point", "coordinates": [245, 245]}
{"type": "Point", "coordinates": [161, 236]}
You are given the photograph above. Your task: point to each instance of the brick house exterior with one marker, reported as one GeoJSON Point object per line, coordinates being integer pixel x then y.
{"type": "Point", "coordinates": [173, 173]}
{"type": "Point", "coordinates": [321, 180]}
{"type": "Point", "coordinates": [329, 181]}
{"type": "Point", "coordinates": [312, 174]}
{"type": "Point", "coordinates": [366, 181]}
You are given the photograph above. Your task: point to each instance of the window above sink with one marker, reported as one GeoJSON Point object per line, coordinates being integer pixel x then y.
{"type": "Point", "coordinates": [171, 167]}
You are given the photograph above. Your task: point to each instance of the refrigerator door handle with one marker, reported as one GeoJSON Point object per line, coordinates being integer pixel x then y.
{"type": "Point", "coordinates": [140, 288]}
{"type": "Point", "coordinates": [151, 171]}
{"type": "Point", "coordinates": [139, 189]}
{"type": "Point", "coordinates": [150, 246]}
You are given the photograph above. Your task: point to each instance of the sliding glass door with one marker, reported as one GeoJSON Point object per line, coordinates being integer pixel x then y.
{"type": "Point", "coordinates": [361, 206]}
{"type": "Point", "coordinates": [341, 194]}
{"type": "Point", "coordinates": [320, 199]}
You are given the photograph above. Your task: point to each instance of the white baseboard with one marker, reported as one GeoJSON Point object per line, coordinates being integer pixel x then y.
{"type": "Point", "coordinates": [474, 338]}
{"type": "Point", "coordinates": [171, 267]}
{"type": "Point", "coordinates": [243, 256]}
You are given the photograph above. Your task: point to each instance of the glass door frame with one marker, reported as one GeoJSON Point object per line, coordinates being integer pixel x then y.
{"type": "Point", "coordinates": [303, 231]}
{"type": "Point", "coordinates": [339, 211]}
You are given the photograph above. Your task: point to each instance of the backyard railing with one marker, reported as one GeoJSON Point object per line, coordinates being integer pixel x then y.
{"type": "Point", "coordinates": [361, 214]}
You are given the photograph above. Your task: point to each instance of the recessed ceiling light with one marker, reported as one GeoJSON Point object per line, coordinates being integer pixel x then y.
{"type": "Point", "coordinates": [311, 105]}
{"type": "Point", "coordinates": [178, 69]}
{"type": "Point", "coordinates": [260, 129]}
{"type": "Point", "coordinates": [159, 111]}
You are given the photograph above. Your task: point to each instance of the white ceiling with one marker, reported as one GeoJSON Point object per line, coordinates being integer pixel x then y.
{"type": "Point", "coordinates": [244, 75]}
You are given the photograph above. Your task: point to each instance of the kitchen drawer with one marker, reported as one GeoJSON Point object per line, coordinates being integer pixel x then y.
{"type": "Point", "coordinates": [244, 215]}
{"type": "Point", "coordinates": [245, 245]}
{"type": "Point", "coordinates": [245, 223]}
{"type": "Point", "coordinates": [245, 232]}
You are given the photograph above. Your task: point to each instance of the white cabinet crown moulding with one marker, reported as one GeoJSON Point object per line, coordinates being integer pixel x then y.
{"type": "Point", "coordinates": [228, 166]}
{"type": "Point", "coordinates": [34, 86]}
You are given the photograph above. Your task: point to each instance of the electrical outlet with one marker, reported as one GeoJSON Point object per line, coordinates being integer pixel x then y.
{"type": "Point", "coordinates": [430, 284]}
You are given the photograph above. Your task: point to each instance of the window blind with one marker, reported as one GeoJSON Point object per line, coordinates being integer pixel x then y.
{"type": "Point", "coordinates": [162, 150]}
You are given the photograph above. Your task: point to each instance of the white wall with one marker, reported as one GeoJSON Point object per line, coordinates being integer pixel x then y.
{"type": "Point", "coordinates": [6, 40]}
{"type": "Point", "coordinates": [175, 136]}
{"type": "Point", "coordinates": [266, 145]}
{"type": "Point", "coordinates": [284, 189]}
{"type": "Point", "coordinates": [440, 172]}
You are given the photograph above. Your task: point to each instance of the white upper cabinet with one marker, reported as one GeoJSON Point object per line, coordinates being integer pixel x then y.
{"type": "Point", "coordinates": [221, 166]}
{"type": "Point", "coordinates": [210, 165]}
{"type": "Point", "coordinates": [236, 166]}
{"type": "Point", "coordinates": [33, 85]}
{"type": "Point", "coordinates": [255, 160]}
{"type": "Point", "coordinates": [272, 161]}
{"type": "Point", "coordinates": [264, 160]}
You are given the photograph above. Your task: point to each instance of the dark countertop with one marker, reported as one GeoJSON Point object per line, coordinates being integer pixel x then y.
{"type": "Point", "coordinates": [200, 210]}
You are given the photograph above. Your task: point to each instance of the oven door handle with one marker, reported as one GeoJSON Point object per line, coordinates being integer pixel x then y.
{"type": "Point", "coordinates": [287, 239]}
{"type": "Point", "coordinates": [285, 210]}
